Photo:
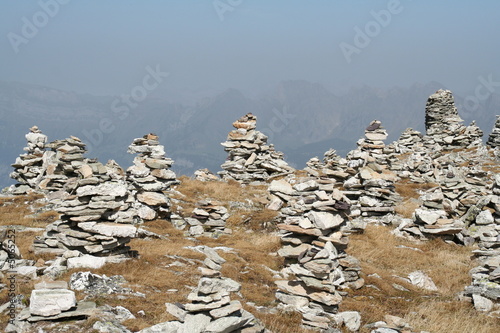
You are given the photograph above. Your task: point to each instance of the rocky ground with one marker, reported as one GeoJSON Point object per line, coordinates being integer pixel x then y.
{"type": "Point", "coordinates": [398, 237]}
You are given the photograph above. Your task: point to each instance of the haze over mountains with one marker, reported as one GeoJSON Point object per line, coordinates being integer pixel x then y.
{"type": "Point", "coordinates": [301, 118]}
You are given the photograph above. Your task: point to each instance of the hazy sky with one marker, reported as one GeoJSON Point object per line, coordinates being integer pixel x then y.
{"type": "Point", "coordinates": [104, 46]}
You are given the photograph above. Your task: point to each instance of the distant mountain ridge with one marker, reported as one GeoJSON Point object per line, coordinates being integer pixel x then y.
{"type": "Point", "coordinates": [301, 118]}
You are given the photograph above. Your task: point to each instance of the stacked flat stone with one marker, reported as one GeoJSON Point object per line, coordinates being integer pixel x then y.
{"type": "Point", "coordinates": [210, 308]}
{"type": "Point", "coordinates": [53, 301]}
{"type": "Point", "coordinates": [29, 167]}
{"type": "Point", "coordinates": [494, 138]}
{"type": "Point", "coordinates": [150, 176]}
{"type": "Point", "coordinates": [485, 287]}
{"type": "Point", "coordinates": [371, 191]}
{"type": "Point", "coordinates": [444, 125]}
{"type": "Point", "coordinates": [62, 163]}
{"type": "Point", "coordinates": [250, 158]}
{"type": "Point", "coordinates": [371, 148]}
{"type": "Point", "coordinates": [205, 175]}
{"type": "Point", "coordinates": [96, 218]}
{"type": "Point", "coordinates": [208, 219]}
{"type": "Point", "coordinates": [312, 216]}
{"type": "Point", "coordinates": [333, 167]}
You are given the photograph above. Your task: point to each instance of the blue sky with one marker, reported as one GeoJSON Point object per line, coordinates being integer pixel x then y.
{"type": "Point", "coordinates": [103, 47]}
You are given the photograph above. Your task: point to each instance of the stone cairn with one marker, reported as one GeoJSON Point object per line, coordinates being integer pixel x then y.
{"type": "Point", "coordinates": [371, 148]}
{"type": "Point", "coordinates": [494, 138]}
{"type": "Point", "coordinates": [250, 159]}
{"type": "Point", "coordinates": [29, 167]}
{"type": "Point", "coordinates": [96, 218]}
{"type": "Point", "coordinates": [444, 125]}
{"type": "Point", "coordinates": [210, 308]}
{"type": "Point", "coordinates": [63, 161]}
{"type": "Point", "coordinates": [313, 215]}
{"type": "Point", "coordinates": [54, 301]}
{"type": "Point", "coordinates": [485, 287]}
{"type": "Point", "coordinates": [208, 219]}
{"type": "Point", "coordinates": [150, 176]}
{"type": "Point", "coordinates": [205, 175]}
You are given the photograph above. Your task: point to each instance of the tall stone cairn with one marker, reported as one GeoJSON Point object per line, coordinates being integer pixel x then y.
{"type": "Point", "coordinates": [250, 158]}
{"type": "Point", "coordinates": [313, 215]}
{"type": "Point", "coordinates": [96, 218]}
{"type": "Point", "coordinates": [29, 167]}
{"type": "Point", "coordinates": [494, 138]}
{"type": "Point", "coordinates": [150, 176]}
{"type": "Point", "coordinates": [444, 125]}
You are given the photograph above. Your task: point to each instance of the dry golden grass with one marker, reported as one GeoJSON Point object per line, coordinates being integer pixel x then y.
{"type": "Point", "coordinates": [250, 213]}
{"type": "Point", "coordinates": [446, 264]}
{"type": "Point", "coordinates": [407, 189]}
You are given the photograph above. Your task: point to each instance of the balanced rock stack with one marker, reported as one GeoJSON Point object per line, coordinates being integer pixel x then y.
{"type": "Point", "coordinates": [208, 219]}
{"type": "Point", "coordinates": [53, 301]}
{"type": "Point", "coordinates": [205, 175]}
{"type": "Point", "coordinates": [371, 191]}
{"type": "Point", "coordinates": [313, 216]}
{"type": "Point", "coordinates": [62, 163]}
{"type": "Point", "coordinates": [211, 309]}
{"type": "Point", "coordinates": [444, 125]}
{"type": "Point", "coordinates": [485, 287]}
{"type": "Point", "coordinates": [371, 148]}
{"type": "Point", "coordinates": [29, 166]}
{"type": "Point", "coordinates": [150, 176]}
{"type": "Point", "coordinates": [250, 159]}
{"type": "Point", "coordinates": [332, 167]}
{"type": "Point", "coordinates": [494, 138]}
{"type": "Point", "coordinates": [97, 219]}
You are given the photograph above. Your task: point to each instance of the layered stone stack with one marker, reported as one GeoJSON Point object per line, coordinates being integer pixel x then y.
{"type": "Point", "coordinates": [96, 218]}
{"type": "Point", "coordinates": [444, 125]}
{"type": "Point", "coordinates": [53, 301]}
{"type": "Point", "coordinates": [494, 138]}
{"type": "Point", "coordinates": [205, 175]}
{"type": "Point", "coordinates": [250, 158]}
{"type": "Point", "coordinates": [333, 167]}
{"type": "Point", "coordinates": [29, 167]}
{"type": "Point", "coordinates": [485, 287]}
{"type": "Point", "coordinates": [371, 191]}
{"type": "Point", "coordinates": [313, 217]}
{"type": "Point", "coordinates": [211, 309]}
{"type": "Point", "coordinates": [150, 176]}
{"type": "Point", "coordinates": [208, 219]}
{"type": "Point", "coordinates": [371, 148]}
{"type": "Point", "coordinates": [62, 163]}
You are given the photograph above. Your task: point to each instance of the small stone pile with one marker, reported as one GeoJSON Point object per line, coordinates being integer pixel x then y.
{"type": "Point", "coordinates": [313, 217]}
{"type": "Point", "coordinates": [208, 219]}
{"type": "Point", "coordinates": [150, 176]}
{"type": "Point", "coordinates": [444, 125]}
{"type": "Point", "coordinates": [494, 138]}
{"type": "Point", "coordinates": [205, 175]}
{"type": "Point", "coordinates": [485, 287]}
{"type": "Point", "coordinates": [211, 309]}
{"type": "Point", "coordinates": [52, 301]}
{"type": "Point", "coordinates": [371, 191]}
{"type": "Point", "coordinates": [250, 159]}
{"type": "Point", "coordinates": [63, 161]}
{"type": "Point", "coordinates": [29, 167]}
{"type": "Point", "coordinates": [96, 218]}
{"type": "Point", "coordinates": [333, 167]}
{"type": "Point", "coordinates": [371, 148]}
